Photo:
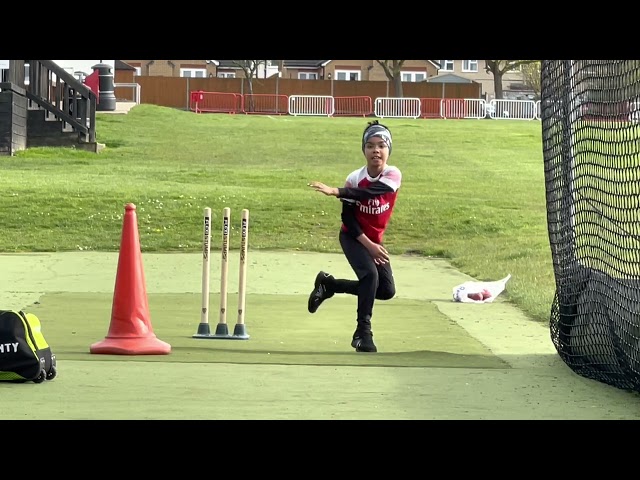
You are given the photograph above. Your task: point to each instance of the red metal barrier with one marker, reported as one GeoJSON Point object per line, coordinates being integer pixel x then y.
{"type": "Point", "coordinates": [216, 102]}
{"type": "Point", "coordinates": [430, 107]}
{"type": "Point", "coordinates": [266, 104]}
{"type": "Point", "coordinates": [454, 108]}
{"type": "Point", "coordinates": [353, 106]}
{"type": "Point", "coordinates": [93, 82]}
{"type": "Point", "coordinates": [195, 100]}
{"type": "Point", "coordinates": [612, 111]}
{"type": "Point", "coordinates": [220, 102]}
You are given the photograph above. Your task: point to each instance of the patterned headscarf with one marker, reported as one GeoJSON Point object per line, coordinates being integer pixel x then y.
{"type": "Point", "coordinates": [376, 130]}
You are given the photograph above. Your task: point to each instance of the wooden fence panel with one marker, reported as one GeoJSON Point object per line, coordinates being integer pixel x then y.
{"type": "Point", "coordinates": [164, 91]}
{"type": "Point", "coordinates": [373, 89]}
{"type": "Point", "coordinates": [175, 91]}
{"type": "Point", "coordinates": [221, 85]}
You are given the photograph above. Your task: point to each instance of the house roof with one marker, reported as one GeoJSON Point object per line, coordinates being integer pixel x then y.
{"type": "Point", "coordinates": [225, 64]}
{"type": "Point", "coordinates": [285, 63]}
{"type": "Point", "coordinates": [449, 78]}
{"type": "Point", "coordinates": [304, 63]}
{"type": "Point", "coordinates": [120, 65]}
{"type": "Point", "coordinates": [231, 64]}
{"type": "Point", "coordinates": [291, 63]}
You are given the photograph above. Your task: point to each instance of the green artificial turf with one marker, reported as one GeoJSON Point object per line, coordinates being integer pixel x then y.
{"type": "Point", "coordinates": [408, 333]}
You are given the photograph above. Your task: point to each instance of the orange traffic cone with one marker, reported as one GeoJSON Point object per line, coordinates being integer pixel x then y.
{"type": "Point", "coordinates": [130, 331]}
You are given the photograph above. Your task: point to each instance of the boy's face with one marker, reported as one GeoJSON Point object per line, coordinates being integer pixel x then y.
{"type": "Point", "coordinates": [376, 152]}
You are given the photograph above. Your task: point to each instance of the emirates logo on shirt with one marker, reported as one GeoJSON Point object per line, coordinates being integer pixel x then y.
{"type": "Point", "coordinates": [373, 207]}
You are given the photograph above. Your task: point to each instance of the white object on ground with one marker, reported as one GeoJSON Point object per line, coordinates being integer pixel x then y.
{"type": "Point", "coordinates": [479, 292]}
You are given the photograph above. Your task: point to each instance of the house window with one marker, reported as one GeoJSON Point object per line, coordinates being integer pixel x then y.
{"type": "Point", "coordinates": [353, 75]}
{"type": "Point", "coordinates": [307, 76]}
{"type": "Point", "coordinates": [413, 76]}
{"type": "Point", "coordinates": [193, 72]}
{"type": "Point", "coordinates": [226, 74]}
{"type": "Point", "coordinates": [470, 65]}
{"type": "Point", "coordinates": [516, 69]}
{"type": "Point", "coordinates": [446, 65]}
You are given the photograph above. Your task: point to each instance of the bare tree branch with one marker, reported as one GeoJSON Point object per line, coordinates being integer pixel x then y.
{"type": "Point", "coordinates": [499, 67]}
{"type": "Point", "coordinates": [393, 71]}
{"type": "Point", "coordinates": [250, 69]}
{"type": "Point", "coordinates": [532, 76]}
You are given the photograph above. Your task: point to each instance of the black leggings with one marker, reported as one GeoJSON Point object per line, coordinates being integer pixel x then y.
{"type": "Point", "coordinates": [375, 282]}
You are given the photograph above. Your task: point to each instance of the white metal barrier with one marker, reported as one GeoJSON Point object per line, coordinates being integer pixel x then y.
{"type": "Point", "coordinates": [136, 88]}
{"type": "Point", "coordinates": [397, 107]}
{"type": "Point", "coordinates": [634, 112]}
{"type": "Point", "coordinates": [311, 105]}
{"type": "Point", "coordinates": [467, 108]}
{"type": "Point", "coordinates": [475, 108]}
{"type": "Point", "coordinates": [512, 109]}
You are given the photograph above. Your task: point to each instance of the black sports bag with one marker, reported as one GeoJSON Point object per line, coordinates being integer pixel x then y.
{"type": "Point", "coordinates": [24, 353]}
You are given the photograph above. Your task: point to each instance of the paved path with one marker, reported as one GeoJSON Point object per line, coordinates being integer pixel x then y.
{"type": "Point", "coordinates": [121, 108]}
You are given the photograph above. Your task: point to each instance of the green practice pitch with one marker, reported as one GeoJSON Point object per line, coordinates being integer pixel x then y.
{"type": "Point", "coordinates": [437, 359]}
{"type": "Point", "coordinates": [409, 333]}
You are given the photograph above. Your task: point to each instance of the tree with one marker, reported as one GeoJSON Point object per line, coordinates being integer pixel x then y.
{"type": "Point", "coordinates": [499, 67]}
{"type": "Point", "coordinates": [392, 69]}
{"type": "Point", "coordinates": [250, 70]}
{"type": "Point", "coordinates": [531, 74]}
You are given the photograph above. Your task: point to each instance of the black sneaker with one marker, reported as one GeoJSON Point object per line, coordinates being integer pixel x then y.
{"type": "Point", "coordinates": [320, 292]}
{"type": "Point", "coordinates": [363, 342]}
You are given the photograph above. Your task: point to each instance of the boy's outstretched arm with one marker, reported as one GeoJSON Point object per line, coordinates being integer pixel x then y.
{"type": "Point", "coordinates": [354, 193]}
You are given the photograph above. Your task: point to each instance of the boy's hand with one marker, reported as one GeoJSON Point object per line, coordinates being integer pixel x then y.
{"type": "Point", "coordinates": [379, 254]}
{"type": "Point", "coordinates": [322, 188]}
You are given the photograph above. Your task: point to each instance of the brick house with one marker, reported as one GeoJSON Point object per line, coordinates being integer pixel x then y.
{"type": "Point", "coordinates": [415, 70]}
{"type": "Point", "coordinates": [352, 70]}
{"type": "Point", "coordinates": [173, 68]}
{"type": "Point", "coordinates": [475, 70]}
{"type": "Point", "coordinates": [192, 68]}
{"type": "Point", "coordinates": [355, 70]}
{"type": "Point", "coordinates": [412, 71]}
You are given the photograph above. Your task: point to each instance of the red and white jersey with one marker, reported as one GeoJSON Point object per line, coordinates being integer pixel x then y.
{"type": "Point", "coordinates": [373, 214]}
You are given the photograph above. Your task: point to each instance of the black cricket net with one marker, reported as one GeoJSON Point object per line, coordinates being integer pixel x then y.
{"type": "Point", "coordinates": [590, 114]}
